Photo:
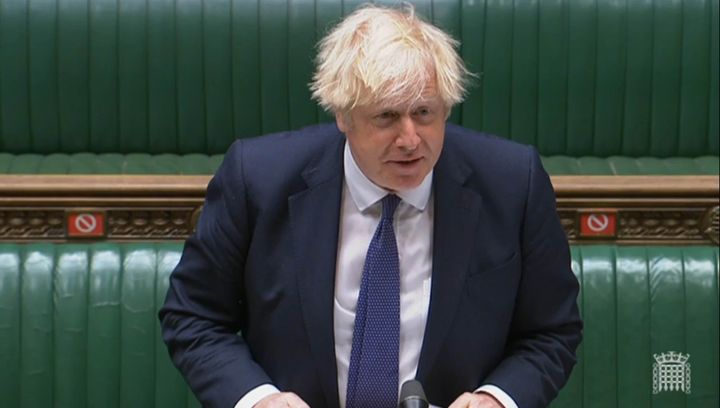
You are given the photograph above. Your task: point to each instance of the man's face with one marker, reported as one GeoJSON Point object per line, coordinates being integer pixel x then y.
{"type": "Point", "coordinates": [396, 147]}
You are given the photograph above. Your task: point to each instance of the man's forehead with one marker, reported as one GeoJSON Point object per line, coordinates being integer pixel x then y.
{"type": "Point", "coordinates": [424, 100]}
{"type": "Point", "coordinates": [399, 96]}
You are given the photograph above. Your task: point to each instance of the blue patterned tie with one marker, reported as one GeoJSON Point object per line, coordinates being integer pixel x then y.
{"type": "Point", "coordinates": [373, 372]}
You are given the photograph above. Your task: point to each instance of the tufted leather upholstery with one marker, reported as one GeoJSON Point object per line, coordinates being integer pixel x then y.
{"type": "Point", "coordinates": [196, 163]}
{"type": "Point", "coordinates": [109, 163]}
{"type": "Point", "coordinates": [575, 78]}
{"type": "Point", "coordinates": [78, 325]}
{"type": "Point", "coordinates": [640, 301]}
{"type": "Point", "coordinates": [628, 166]}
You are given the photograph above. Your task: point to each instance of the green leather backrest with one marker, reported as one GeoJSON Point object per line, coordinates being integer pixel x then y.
{"type": "Point", "coordinates": [573, 77]}
{"type": "Point", "coordinates": [78, 325]}
{"type": "Point", "coordinates": [195, 163]}
{"type": "Point", "coordinates": [637, 302]}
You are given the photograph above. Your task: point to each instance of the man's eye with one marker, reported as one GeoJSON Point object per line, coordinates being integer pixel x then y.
{"type": "Point", "coordinates": [424, 115]}
{"type": "Point", "coordinates": [423, 112]}
{"type": "Point", "coordinates": [384, 119]}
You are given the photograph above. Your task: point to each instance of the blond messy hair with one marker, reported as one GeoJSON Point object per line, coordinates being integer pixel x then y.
{"type": "Point", "coordinates": [386, 57]}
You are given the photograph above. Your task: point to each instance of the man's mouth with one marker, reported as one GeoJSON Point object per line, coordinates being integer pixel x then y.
{"type": "Point", "coordinates": [406, 162]}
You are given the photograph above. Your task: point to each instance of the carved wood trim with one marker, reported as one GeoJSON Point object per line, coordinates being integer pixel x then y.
{"type": "Point", "coordinates": [636, 186]}
{"type": "Point", "coordinates": [643, 209]}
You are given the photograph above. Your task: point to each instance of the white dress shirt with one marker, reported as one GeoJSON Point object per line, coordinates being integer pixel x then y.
{"type": "Point", "coordinates": [413, 224]}
{"type": "Point", "coordinates": [359, 217]}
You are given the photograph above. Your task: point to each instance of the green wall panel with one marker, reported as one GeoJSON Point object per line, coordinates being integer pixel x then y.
{"type": "Point", "coordinates": [695, 77]}
{"type": "Point", "coordinates": [245, 50]}
{"type": "Point", "coordinates": [42, 76]}
{"type": "Point", "coordinates": [524, 97]}
{"type": "Point", "coordinates": [582, 46]}
{"type": "Point", "coordinates": [104, 94]}
{"type": "Point", "coordinates": [73, 74]}
{"type": "Point", "coordinates": [610, 77]}
{"type": "Point", "coordinates": [274, 67]}
{"type": "Point", "coordinates": [638, 82]}
{"type": "Point", "coordinates": [14, 77]}
{"type": "Point", "coordinates": [578, 78]}
{"type": "Point", "coordinates": [713, 130]}
{"type": "Point", "coordinates": [301, 37]}
{"type": "Point", "coordinates": [132, 77]}
{"type": "Point", "coordinates": [191, 108]}
{"type": "Point", "coordinates": [473, 25]}
{"type": "Point", "coordinates": [667, 42]}
{"type": "Point", "coordinates": [162, 76]}
{"type": "Point", "coordinates": [496, 76]}
{"type": "Point", "coordinates": [218, 75]}
{"type": "Point", "coordinates": [552, 73]}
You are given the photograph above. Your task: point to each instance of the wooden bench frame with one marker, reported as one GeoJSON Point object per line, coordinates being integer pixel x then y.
{"type": "Point", "coordinates": [675, 210]}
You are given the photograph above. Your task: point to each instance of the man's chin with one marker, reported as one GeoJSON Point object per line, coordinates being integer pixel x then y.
{"type": "Point", "coordinates": [404, 183]}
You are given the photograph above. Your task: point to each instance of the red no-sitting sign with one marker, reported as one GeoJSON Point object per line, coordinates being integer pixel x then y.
{"type": "Point", "coordinates": [598, 224]}
{"type": "Point", "coordinates": [85, 224]}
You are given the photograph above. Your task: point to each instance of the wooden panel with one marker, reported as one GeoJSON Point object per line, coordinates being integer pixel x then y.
{"type": "Point", "coordinates": [643, 209]}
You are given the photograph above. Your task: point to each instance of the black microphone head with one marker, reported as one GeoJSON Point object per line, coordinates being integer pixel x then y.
{"type": "Point", "coordinates": [412, 395]}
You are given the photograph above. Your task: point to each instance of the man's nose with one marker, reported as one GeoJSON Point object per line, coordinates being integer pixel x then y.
{"type": "Point", "coordinates": [407, 138]}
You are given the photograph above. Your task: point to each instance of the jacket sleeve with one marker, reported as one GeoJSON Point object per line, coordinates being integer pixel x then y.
{"type": "Point", "coordinates": [546, 326]}
{"type": "Point", "coordinates": [203, 310]}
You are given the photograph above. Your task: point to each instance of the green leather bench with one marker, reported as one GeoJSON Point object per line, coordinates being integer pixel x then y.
{"type": "Point", "coordinates": [161, 86]}
{"type": "Point", "coordinates": [110, 163]}
{"type": "Point", "coordinates": [78, 326]}
{"type": "Point", "coordinates": [196, 163]}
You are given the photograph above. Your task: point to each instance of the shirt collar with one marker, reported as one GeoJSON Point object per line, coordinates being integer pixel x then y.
{"type": "Point", "coordinates": [365, 193]}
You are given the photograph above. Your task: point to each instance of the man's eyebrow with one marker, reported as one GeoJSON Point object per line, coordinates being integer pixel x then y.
{"type": "Point", "coordinates": [428, 100]}
{"type": "Point", "coordinates": [425, 104]}
{"type": "Point", "coordinates": [383, 109]}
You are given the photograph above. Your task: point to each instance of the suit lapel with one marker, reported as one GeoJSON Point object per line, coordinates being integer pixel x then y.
{"type": "Point", "coordinates": [314, 218]}
{"type": "Point", "coordinates": [456, 214]}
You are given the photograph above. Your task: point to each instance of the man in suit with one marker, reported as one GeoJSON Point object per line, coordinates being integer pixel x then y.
{"type": "Point", "coordinates": [389, 246]}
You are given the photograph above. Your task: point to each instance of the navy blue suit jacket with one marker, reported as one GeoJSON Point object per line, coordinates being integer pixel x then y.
{"type": "Point", "coordinates": [262, 262]}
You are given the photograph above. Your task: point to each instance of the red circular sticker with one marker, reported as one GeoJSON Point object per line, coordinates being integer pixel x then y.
{"type": "Point", "coordinates": [86, 224]}
{"type": "Point", "coordinates": [598, 224]}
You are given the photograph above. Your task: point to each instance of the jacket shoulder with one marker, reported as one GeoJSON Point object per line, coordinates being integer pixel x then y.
{"type": "Point", "coordinates": [487, 154]}
{"type": "Point", "coordinates": [287, 152]}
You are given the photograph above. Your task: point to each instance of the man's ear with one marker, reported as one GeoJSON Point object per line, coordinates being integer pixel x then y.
{"type": "Point", "coordinates": [342, 120]}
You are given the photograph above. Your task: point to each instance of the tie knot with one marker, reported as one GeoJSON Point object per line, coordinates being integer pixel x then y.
{"type": "Point", "coordinates": [389, 204]}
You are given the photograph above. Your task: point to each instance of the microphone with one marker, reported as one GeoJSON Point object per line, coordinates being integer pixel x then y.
{"type": "Point", "coordinates": [412, 395]}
